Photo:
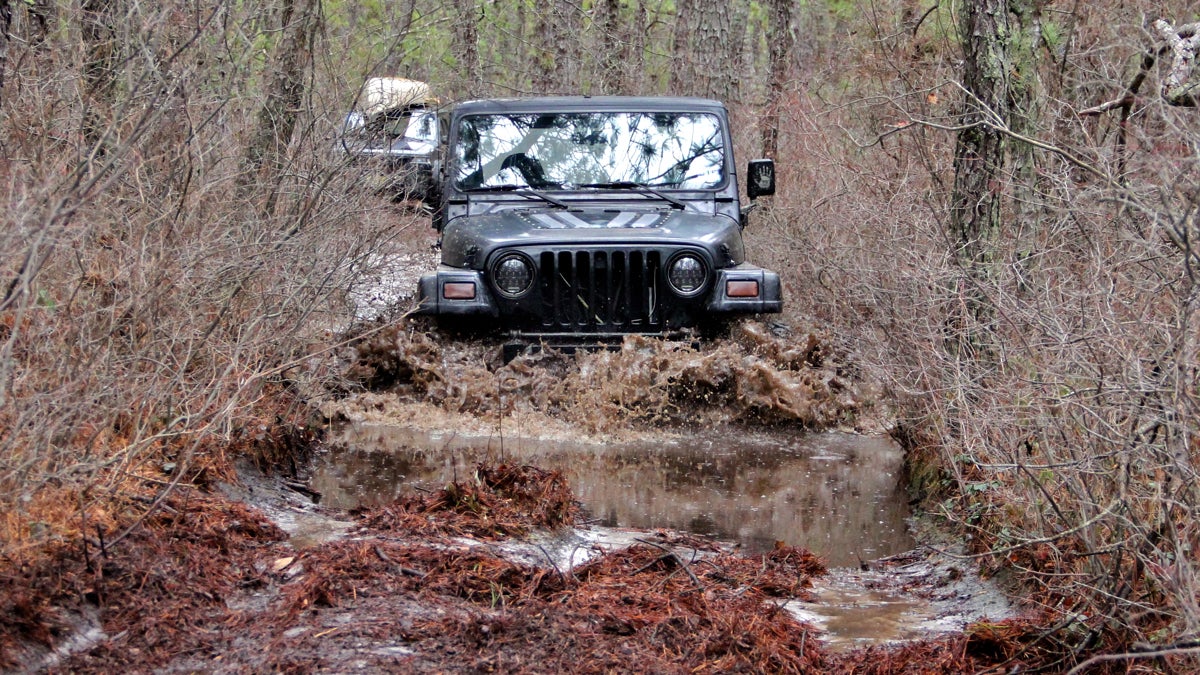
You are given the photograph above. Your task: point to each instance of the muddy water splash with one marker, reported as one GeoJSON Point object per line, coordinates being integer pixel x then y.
{"type": "Point", "coordinates": [762, 373]}
{"type": "Point", "coordinates": [835, 494]}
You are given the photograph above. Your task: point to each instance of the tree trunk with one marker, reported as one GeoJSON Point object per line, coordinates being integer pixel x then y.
{"type": "Point", "coordinates": [98, 18]}
{"type": "Point", "coordinates": [267, 149]}
{"type": "Point", "coordinates": [990, 41]}
{"type": "Point", "coordinates": [734, 66]}
{"type": "Point", "coordinates": [979, 151]}
{"type": "Point", "coordinates": [682, 81]}
{"type": "Point", "coordinates": [710, 49]}
{"type": "Point", "coordinates": [5, 23]}
{"type": "Point", "coordinates": [559, 27]}
{"type": "Point", "coordinates": [466, 43]}
{"type": "Point", "coordinates": [613, 47]}
{"type": "Point", "coordinates": [780, 42]}
{"type": "Point", "coordinates": [999, 38]}
{"type": "Point", "coordinates": [635, 75]}
{"type": "Point", "coordinates": [1025, 96]}
{"type": "Point", "coordinates": [975, 204]}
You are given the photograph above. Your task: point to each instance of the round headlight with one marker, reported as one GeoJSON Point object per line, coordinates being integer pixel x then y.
{"type": "Point", "coordinates": [687, 274]}
{"type": "Point", "coordinates": [512, 274]}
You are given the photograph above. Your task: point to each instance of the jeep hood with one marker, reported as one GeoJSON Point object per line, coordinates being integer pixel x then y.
{"type": "Point", "coordinates": [469, 241]}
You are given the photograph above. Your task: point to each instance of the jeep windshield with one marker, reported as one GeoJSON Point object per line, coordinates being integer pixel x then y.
{"type": "Point", "coordinates": [406, 132]}
{"type": "Point", "coordinates": [590, 151]}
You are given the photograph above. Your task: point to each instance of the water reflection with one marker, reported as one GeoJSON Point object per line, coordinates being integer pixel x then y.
{"type": "Point", "coordinates": [836, 494]}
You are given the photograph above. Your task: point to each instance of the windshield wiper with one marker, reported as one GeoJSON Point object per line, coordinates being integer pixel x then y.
{"type": "Point", "coordinates": [640, 187]}
{"type": "Point", "coordinates": [523, 191]}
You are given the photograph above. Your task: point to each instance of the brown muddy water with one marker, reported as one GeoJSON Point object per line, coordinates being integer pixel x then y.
{"type": "Point", "coordinates": [836, 494]}
{"type": "Point", "coordinates": [713, 440]}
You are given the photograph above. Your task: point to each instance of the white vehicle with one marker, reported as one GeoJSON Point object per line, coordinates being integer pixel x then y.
{"type": "Point", "coordinates": [393, 131]}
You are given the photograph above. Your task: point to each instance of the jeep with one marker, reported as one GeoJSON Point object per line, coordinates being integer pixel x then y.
{"type": "Point", "coordinates": [392, 134]}
{"type": "Point", "coordinates": [579, 220]}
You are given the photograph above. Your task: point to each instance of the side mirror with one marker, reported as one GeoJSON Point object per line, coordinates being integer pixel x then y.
{"type": "Point", "coordinates": [760, 178]}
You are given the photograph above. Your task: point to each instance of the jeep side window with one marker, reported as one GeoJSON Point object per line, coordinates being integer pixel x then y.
{"type": "Point", "coordinates": [421, 126]}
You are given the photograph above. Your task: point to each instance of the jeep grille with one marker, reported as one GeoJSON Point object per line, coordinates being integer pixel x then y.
{"type": "Point", "coordinates": [600, 291]}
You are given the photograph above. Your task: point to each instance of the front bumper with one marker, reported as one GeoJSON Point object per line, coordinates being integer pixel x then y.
{"type": "Point", "coordinates": [432, 297]}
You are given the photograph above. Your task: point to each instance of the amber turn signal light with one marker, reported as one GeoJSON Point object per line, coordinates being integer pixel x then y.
{"type": "Point", "coordinates": [459, 290]}
{"type": "Point", "coordinates": [741, 289]}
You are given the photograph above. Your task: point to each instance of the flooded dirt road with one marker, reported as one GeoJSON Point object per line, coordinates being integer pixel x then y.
{"type": "Point", "coordinates": [769, 437]}
{"type": "Point", "coordinates": [705, 475]}
{"type": "Point", "coordinates": [836, 494]}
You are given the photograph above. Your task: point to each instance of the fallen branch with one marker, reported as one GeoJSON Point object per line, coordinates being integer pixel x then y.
{"type": "Point", "coordinates": [668, 554]}
{"type": "Point", "coordinates": [1126, 100]}
{"type": "Point", "coordinates": [1183, 42]}
{"type": "Point", "coordinates": [1129, 656]}
{"type": "Point", "coordinates": [398, 569]}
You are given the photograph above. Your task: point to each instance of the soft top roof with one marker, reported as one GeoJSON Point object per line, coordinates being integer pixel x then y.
{"type": "Point", "coordinates": [381, 94]}
{"type": "Point", "coordinates": [589, 104]}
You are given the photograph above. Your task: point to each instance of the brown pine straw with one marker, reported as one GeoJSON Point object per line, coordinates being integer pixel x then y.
{"type": "Point", "coordinates": [499, 501]}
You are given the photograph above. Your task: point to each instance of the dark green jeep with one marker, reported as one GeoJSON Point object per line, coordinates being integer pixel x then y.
{"type": "Point", "coordinates": [572, 220]}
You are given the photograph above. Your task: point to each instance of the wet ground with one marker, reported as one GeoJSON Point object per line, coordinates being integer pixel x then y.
{"type": "Point", "coordinates": [835, 493]}
{"type": "Point", "coordinates": [733, 440]}
{"type": "Point", "coordinates": [431, 584]}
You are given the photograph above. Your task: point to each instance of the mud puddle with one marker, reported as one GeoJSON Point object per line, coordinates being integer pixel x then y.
{"type": "Point", "coordinates": [836, 494]}
{"type": "Point", "coordinates": [832, 493]}
{"type": "Point", "coordinates": [915, 595]}
{"type": "Point", "coordinates": [658, 438]}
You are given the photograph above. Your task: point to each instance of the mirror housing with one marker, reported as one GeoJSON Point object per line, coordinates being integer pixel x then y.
{"type": "Point", "coordinates": [760, 178]}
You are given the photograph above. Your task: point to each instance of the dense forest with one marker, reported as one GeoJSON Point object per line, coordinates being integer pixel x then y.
{"type": "Point", "coordinates": [993, 201]}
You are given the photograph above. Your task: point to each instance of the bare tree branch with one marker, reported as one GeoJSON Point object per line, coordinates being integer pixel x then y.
{"type": "Point", "coordinates": [1129, 656]}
